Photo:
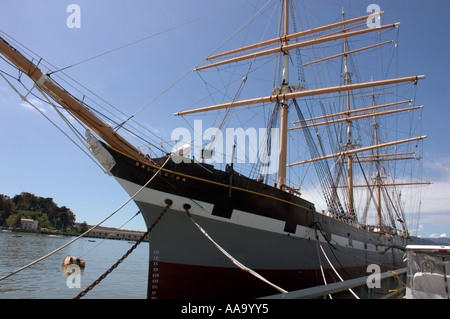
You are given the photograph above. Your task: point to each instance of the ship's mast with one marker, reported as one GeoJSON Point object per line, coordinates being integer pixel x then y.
{"type": "Point", "coordinates": [378, 177]}
{"type": "Point", "coordinates": [284, 104]}
{"type": "Point", "coordinates": [349, 144]}
{"type": "Point", "coordinates": [283, 93]}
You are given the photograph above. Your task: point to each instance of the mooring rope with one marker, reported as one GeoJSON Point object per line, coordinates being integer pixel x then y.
{"type": "Point", "coordinates": [234, 260]}
{"type": "Point", "coordinates": [103, 276]}
{"type": "Point", "coordinates": [89, 230]}
{"type": "Point", "coordinates": [399, 280]}
{"type": "Point", "coordinates": [335, 271]}
{"type": "Point", "coordinates": [331, 265]}
{"type": "Point", "coordinates": [320, 261]}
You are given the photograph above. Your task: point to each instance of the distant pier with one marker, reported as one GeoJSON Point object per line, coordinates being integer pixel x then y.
{"type": "Point", "coordinates": [98, 232]}
{"type": "Point", "coordinates": [114, 233]}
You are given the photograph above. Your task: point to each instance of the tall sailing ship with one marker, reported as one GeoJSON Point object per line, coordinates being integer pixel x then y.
{"type": "Point", "coordinates": [234, 218]}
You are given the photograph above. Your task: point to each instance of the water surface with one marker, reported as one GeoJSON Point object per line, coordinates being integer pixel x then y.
{"type": "Point", "coordinates": [47, 280]}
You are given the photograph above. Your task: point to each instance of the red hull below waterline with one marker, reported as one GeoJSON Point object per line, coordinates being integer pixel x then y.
{"type": "Point", "coordinates": [176, 281]}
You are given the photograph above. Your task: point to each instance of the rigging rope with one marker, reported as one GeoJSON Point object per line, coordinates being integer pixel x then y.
{"type": "Point", "coordinates": [50, 66]}
{"type": "Point", "coordinates": [25, 99]}
{"type": "Point", "coordinates": [322, 168]}
{"type": "Point", "coordinates": [129, 44]}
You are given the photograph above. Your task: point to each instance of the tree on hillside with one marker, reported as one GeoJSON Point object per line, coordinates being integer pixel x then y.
{"type": "Point", "coordinates": [83, 227]}
{"type": "Point", "coordinates": [6, 208]}
{"type": "Point", "coordinates": [63, 217]}
{"type": "Point", "coordinates": [13, 221]}
{"type": "Point", "coordinates": [27, 205]}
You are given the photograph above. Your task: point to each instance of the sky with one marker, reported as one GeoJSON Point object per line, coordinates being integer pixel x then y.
{"type": "Point", "coordinates": [37, 158]}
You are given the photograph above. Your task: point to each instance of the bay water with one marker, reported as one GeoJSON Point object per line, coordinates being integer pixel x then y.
{"type": "Point", "coordinates": [47, 279]}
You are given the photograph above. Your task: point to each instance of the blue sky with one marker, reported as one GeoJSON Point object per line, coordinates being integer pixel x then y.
{"type": "Point", "coordinates": [37, 158]}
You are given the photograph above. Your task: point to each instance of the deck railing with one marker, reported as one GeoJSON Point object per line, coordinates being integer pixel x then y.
{"type": "Point", "coordinates": [392, 286]}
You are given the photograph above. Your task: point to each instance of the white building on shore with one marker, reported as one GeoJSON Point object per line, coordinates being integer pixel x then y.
{"type": "Point", "coordinates": [28, 224]}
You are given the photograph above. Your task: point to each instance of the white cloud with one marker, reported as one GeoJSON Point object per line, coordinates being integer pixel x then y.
{"type": "Point", "coordinates": [441, 166]}
{"type": "Point", "coordinates": [436, 198]}
{"type": "Point", "coordinates": [34, 104]}
{"type": "Point", "coordinates": [435, 207]}
{"type": "Point", "coordinates": [444, 235]}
